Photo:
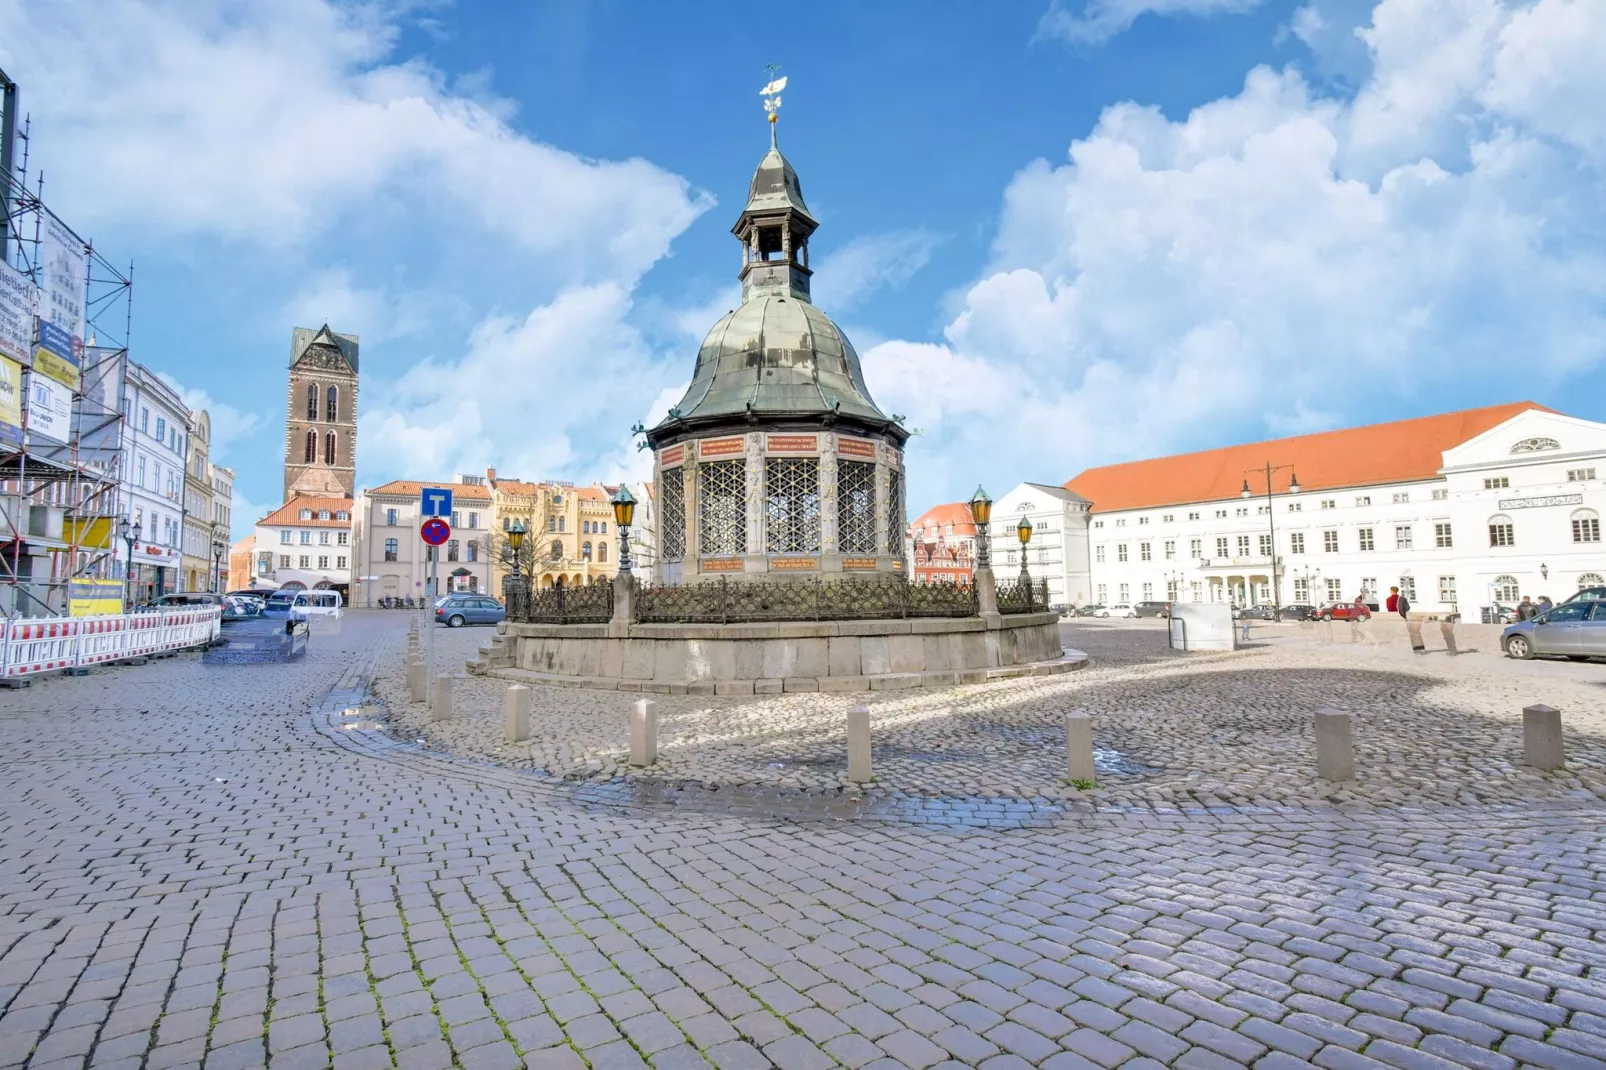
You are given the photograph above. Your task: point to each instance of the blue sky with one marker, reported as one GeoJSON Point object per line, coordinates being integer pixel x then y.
{"type": "Point", "coordinates": [1060, 234]}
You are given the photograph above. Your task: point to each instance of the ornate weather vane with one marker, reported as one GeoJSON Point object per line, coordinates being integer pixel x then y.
{"type": "Point", "coordinates": [772, 96]}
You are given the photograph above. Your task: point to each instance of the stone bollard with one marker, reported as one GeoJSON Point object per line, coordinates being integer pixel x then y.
{"type": "Point", "coordinates": [1078, 746]}
{"type": "Point", "coordinates": [1447, 630]}
{"type": "Point", "coordinates": [416, 679]}
{"type": "Point", "coordinates": [1541, 737]}
{"type": "Point", "coordinates": [518, 713]}
{"type": "Point", "coordinates": [443, 697]}
{"type": "Point", "coordinates": [859, 745]}
{"type": "Point", "coordinates": [644, 732]}
{"type": "Point", "coordinates": [1413, 631]}
{"type": "Point", "coordinates": [1335, 748]}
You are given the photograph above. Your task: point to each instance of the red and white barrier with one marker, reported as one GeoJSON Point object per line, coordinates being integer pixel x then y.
{"type": "Point", "coordinates": [33, 646]}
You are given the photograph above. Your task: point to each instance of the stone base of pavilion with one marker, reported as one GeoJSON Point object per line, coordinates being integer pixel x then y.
{"type": "Point", "coordinates": [774, 657]}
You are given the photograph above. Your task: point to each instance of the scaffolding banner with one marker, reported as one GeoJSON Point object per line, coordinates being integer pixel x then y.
{"type": "Point", "coordinates": [10, 401]}
{"type": "Point", "coordinates": [95, 598]}
{"type": "Point", "coordinates": [49, 409]}
{"type": "Point", "coordinates": [59, 355]}
{"type": "Point", "coordinates": [66, 264]}
{"type": "Point", "coordinates": [19, 303]}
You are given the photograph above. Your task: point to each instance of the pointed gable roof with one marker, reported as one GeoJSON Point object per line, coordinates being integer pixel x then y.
{"type": "Point", "coordinates": [304, 338]}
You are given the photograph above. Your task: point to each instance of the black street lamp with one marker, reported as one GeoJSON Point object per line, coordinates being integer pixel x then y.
{"type": "Point", "coordinates": [515, 539]}
{"type": "Point", "coordinates": [218, 546]}
{"type": "Point", "coordinates": [130, 537]}
{"type": "Point", "coordinates": [981, 511]}
{"type": "Point", "coordinates": [624, 511]}
{"type": "Point", "coordinates": [1023, 531]}
{"type": "Point", "coordinates": [1271, 519]}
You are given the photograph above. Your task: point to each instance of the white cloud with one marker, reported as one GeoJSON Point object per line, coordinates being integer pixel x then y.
{"type": "Point", "coordinates": [1099, 20]}
{"type": "Point", "coordinates": [1284, 260]}
{"type": "Point", "coordinates": [230, 425]}
{"type": "Point", "coordinates": [373, 313]}
{"type": "Point", "coordinates": [849, 274]}
{"type": "Point", "coordinates": [268, 119]}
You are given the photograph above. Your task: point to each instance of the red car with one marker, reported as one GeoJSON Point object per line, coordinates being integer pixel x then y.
{"type": "Point", "coordinates": [1345, 611]}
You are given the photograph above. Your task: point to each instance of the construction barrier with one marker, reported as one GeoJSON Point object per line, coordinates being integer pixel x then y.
{"type": "Point", "coordinates": [32, 646]}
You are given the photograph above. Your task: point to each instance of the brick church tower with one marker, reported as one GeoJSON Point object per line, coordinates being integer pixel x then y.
{"type": "Point", "coordinates": [320, 448]}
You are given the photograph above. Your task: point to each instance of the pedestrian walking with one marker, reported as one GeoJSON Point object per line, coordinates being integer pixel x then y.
{"type": "Point", "coordinates": [1544, 604]}
{"type": "Point", "coordinates": [1402, 606]}
{"type": "Point", "coordinates": [1526, 610]}
{"type": "Point", "coordinates": [1392, 605]}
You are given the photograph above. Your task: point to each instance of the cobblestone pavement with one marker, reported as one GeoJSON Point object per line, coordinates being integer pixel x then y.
{"type": "Point", "coordinates": [200, 867]}
{"type": "Point", "coordinates": [1173, 730]}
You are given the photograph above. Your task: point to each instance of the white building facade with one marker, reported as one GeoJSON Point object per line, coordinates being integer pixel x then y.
{"type": "Point", "coordinates": [305, 543]}
{"type": "Point", "coordinates": [1460, 511]}
{"type": "Point", "coordinates": [154, 452]}
{"type": "Point", "coordinates": [1057, 551]}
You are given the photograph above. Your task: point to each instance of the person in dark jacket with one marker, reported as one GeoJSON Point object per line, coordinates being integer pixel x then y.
{"type": "Point", "coordinates": [1402, 606]}
{"type": "Point", "coordinates": [1526, 610]}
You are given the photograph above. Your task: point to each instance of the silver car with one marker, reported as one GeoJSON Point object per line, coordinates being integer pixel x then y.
{"type": "Point", "coordinates": [1572, 630]}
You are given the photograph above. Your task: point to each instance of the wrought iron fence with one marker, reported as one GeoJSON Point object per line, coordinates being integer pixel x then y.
{"type": "Point", "coordinates": [1018, 597]}
{"type": "Point", "coordinates": [725, 602]}
{"type": "Point", "coordinates": [584, 604]}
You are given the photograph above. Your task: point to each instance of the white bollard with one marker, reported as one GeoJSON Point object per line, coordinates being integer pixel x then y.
{"type": "Point", "coordinates": [644, 732]}
{"type": "Point", "coordinates": [518, 713]}
{"type": "Point", "coordinates": [1541, 737]}
{"type": "Point", "coordinates": [415, 679]}
{"type": "Point", "coordinates": [1078, 746]}
{"type": "Point", "coordinates": [443, 697]}
{"type": "Point", "coordinates": [1335, 747]}
{"type": "Point", "coordinates": [859, 745]}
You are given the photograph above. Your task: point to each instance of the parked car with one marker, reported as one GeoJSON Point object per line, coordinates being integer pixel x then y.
{"type": "Point", "coordinates": [279, 602]}
{"type": "Point", "coordinates": [238, 609]}
{"type": "Point", "coordinates": [1299, 611]}
{"type": "Point", "coordinates": [1121, 610]}
{"type": "Point", "coordinates": [456, 610]}
{"type": "Point", "coordinates": [1345, 611]}
{"type": "Point", "coordinates": [1089, 610]}
{"type": "Point", "coordinates": [1586, 594]}
{"type": "Point", "coordinates": [1574, 630]}
{"type": "Point", "coordinates": [309, 604]}
{"type": "Point", "coordinates": [1256, 613]}
{"type": "Point", "coordinates": [187, 598]}
{"type": "Point", "coordinates": [1152, 609]}
{"type": "Point", "coordinates": [250, 592]}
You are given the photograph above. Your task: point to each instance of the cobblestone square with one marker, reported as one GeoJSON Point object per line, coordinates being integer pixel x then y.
{"type": "Point", "coordinates": [289, 865]}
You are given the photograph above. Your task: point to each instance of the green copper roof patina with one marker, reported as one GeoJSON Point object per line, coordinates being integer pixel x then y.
{"type": "Point", "coordinates": [776, 359]}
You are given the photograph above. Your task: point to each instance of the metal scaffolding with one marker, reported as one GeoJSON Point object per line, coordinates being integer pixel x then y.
{"type": "Point", "coordinates": [60, 483]}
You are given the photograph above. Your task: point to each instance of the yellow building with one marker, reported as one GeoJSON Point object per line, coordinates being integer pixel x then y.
{"type": "Point", "coordinates": [572, 536]}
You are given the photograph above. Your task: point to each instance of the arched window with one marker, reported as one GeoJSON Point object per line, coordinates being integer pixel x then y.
{"type": "Point", "coordinates": [602, 552]}
{"type": "Point", "coordinates": [585, 527]}
{"type": "Point", "coordinates": [560, 523]}
{"type": "Point", "coordinates": [312, 401]}
{"type": "Point", "coordinates": [329, 448]}
{"type": "Point", "coordinates": [603, 527]}
{"type": "Point", "coordinates": [1586, 525]}
{"type": "Point", "coordinates": [1505, 589]}
{"type": "Point", "coordinates": [312, 447]}
{"type": "Point", "coordinates": [552, 523]}
{"type": "Point", "coordinates": [585, 551]}
{"type": "Point", "coordinates": [1591, 579]}
{"type": "Point", "coordinates": [557, 549]}
{"type": "Point", "coordinates": [1501, 533]}
{"type": "Point", "coordinates": [331, 404]}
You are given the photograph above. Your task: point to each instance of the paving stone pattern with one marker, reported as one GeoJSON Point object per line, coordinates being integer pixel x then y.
{"type": "Point", "coordinates": [196, 869]}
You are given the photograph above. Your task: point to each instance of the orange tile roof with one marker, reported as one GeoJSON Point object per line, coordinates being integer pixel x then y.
{"type": "Point", "coordinates": [410, 487]}
{"type": "Point", "coordinates": [940, 516]}
{"type": "Point", "coordinates": [290, 512]}
{"type": "Point", "coordinates": [1396, 452]}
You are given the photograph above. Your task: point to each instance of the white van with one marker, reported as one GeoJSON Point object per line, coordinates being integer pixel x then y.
{"type": "Point", "coordinates": [310, 604]}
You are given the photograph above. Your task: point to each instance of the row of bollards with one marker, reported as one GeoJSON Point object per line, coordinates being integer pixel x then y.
{"type": "Point", "coordinates": [1335, 742]}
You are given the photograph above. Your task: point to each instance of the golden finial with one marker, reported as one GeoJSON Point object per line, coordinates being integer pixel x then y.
{"type": "Point", "coordinates": [772, 96]}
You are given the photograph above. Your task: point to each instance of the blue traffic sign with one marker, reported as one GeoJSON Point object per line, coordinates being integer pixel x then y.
{"type": "Point", "coordinates": [436, 501]}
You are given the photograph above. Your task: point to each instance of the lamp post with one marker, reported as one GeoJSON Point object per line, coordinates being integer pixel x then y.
{"type": "Point", "coordinates": [1271, 519]}
{"type": "Point", "coordinates": [1023, 532]}
{"type": "Point", "coordinates": [981, 511]}
{"type": "Point", "coordinates": [624, 511]}
{"type": "Point", "coordinates": [1544, 572]}
{"type": "Point", "coordinates": [515, 539]}
{"type": "Point", "coordinates": [130, 537]}
{"type": "Point", "coordinates": [218, 547]}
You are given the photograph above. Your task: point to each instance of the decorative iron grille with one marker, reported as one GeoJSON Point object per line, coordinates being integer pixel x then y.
{"type": "Point", "coordinates": [726, 602]}
{"type": "Point", "coordinates": [583, 604]}
{"type": "Point", "coordinates": [792, 505]}
{"type": "Point", "coordinates": [855, 507]}
{"type": "Point", "coordinates": [895, 513]}
{"type": "Point", "coordinates": [672, 514]}
{"type": "Point", "coordinates": [722, 508]}
{"type": "Point", "coordinates": [1020, 597]}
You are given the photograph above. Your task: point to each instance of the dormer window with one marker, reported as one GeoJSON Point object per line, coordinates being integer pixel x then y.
{"type": "Point", "coordinates": [306, 514]}
{"type": "Point", "coordinates": [323, 514]}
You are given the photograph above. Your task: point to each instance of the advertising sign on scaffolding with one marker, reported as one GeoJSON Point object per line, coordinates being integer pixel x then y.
{"type": "Point", "coordinates": [95, 598]}
{"type": "Point", "coordinates": [10, 401]}
{"type": "Point", "coordinates": [19, 303]}
{"type": "Point", "coordinates": [49, 409]}
{"type": "Point", "coordinates": [66, 264]}
{"type": "Point", "coordinates": [59, 355]}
